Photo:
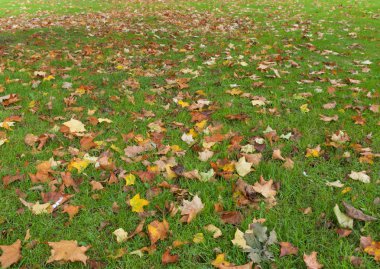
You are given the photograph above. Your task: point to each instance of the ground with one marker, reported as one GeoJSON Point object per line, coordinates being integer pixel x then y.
{"type": "Point", "coordinates": [169, 87]}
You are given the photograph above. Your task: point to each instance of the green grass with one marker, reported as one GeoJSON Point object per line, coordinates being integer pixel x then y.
{"type": "Point", "coordinates": [278, 28]}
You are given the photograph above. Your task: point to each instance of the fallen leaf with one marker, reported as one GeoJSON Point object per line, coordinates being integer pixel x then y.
{"type": "Point", "coordinates": [231, 217]}
{"type": "Point", "coordinates": [287, 249]}
{"type": "Point", "coordinates": [11, 254]}
{"type": "Point", "coordinates": [190, 209]}
{"type": "Point", "coordinates": [356, 213]}
{"type": "Point", "coordinates": [343, 220]}
{"type": "Point", "coordinates": [243, 167]}
{"type": "Point", "coordinates": [121, 235]}
{"type": "Point", "coordinates": [75, 126]}
{"type": "Point", "coordinates": [311, 261]}
{"type": "Point", "coordinates": [137, 203]}
{"type": "Point", "coordinates": [361, 176]}
{"type": "Point", "coordinates": [158, 231]}
{"type": "Point", "coordinates": [213, 229]}
{"type": "Point", "coordinates": [169, 258]}
{"type": "Point", "coordinates": [374, 250]}
{"type": "Point", "coordinates": [67, 251]}
{"type": "Point", "coordinates": [198, 238]}
{"type": "Point", "coordinates": [277, 155]}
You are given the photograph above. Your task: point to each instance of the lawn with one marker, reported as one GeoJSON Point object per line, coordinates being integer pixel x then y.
{"type": "Point", "coordinates": [217, 114]}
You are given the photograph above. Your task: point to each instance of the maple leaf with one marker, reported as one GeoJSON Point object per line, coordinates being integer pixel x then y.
{"type": "Point", "coordinates": [311, 261]}
{"type": "Point", "coordinates": [137, 203]}
{"type": "Point", "coordinates": [71, 210]}
{"type": "Point", "coordinates": [374, 250]}
{"type": "Point", "coordinates": [11, 254]}
{"type": "Point", "coordinates": [239, 240]}
{"type": "Point", "coordinates": [243, 167]}
{"type": "Point", "coordinates": [265, 188]}
{"type": "Point", "coordinates": [219, 260]}
{"type": "Point", "coordinates": [287, 249]}
{"type": "Point", "coordinates": [277, 155]}
{"type": "Point", "coordinates": [190, 209]}
{"type": "Point", "coordinates": [213, 229]}
{"type": "Point", "coordinates": [129, 179]}
{"type": "Point", "coordinates": [121, 235]}
{"type": "Point", "coordinates": [67, 251]}
{"type": "Point", "coordinates": [75, 126]}
{"type": "Point", "coordinates": [169, 258]}
{"type": "Point", "coordinates": [157, 231]}
{"type": "Point", "coordinates": [360, 176]}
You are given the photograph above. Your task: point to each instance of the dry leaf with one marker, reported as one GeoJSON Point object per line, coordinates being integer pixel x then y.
{"type": "Point", "coordinates": [11, 254]}
{"type": "Point", "coordinates": [361, 176]}
{"type": "Point", "coordinates": [157, 231]}
{"type": "Point", "coordinates": [169, 258]}
{"type": "Point", "coordinates": [287, 249]}
{"type": "Point", "coordinates": [190, 209]}
{"type": "Point", "coordinates": [311, 261]}
{"type": "Point", "coordinates": [121, 235]}
{"type": "Point", "coordinates": [213, 229]}
{"type": "Point", "coordinates": [243, 167]}
{"type": "Point", "coordinates": [75, 126]}
{"type": "Point", "coordinates": [356, 213]}
{"type": "Point", "coordinates": [67, 251]}
{"type": "Point", "coordinates": [277, 155]}
{"type": "Point", "coordinates": [343, 220]}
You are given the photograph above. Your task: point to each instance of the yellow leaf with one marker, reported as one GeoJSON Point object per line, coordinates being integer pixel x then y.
{"type": "Point", "coordinates": [129, 179]}
{"type": "Point", "coordinates": [201, 125]}
{"type": "Point", "coordinates": [183, 104]}
{"type": "Point", "coordinates": [117, 149]}
{"type": "Point", "coordinates": [374, 250]}
{"type": "Point", "coordinates": [176, 148]}
{"type": "Point", "coordinates": [304, 108]}
{"type": "Point", "coordinates": [220, 260]}
{"type": "Point", "coordinates": [78, 164]}
{"type": "Point", "coordinates": [39, 209]}
{"type": "Point", "coordinates": [198, 238]}
{"type": "Point", "coordinates": [193, 133]}
{"type": "Point", "coordinates": [48, 78]}
{"type": "Point", "coordinates": [347, 189]}
{"type": "Point", "coordinates": [32, 104]}
{"type": "Point", "coordinates": [137, 203]}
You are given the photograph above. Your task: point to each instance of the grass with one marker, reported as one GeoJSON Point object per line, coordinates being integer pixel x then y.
{"type": "Point", "coordinates": [263, 30]}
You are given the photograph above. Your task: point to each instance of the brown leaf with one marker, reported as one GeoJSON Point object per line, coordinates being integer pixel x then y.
{"type": "Point", "coordinates": [9, 179]}
{"type": "Point", "coordinates": [246, 189]}
{"type": "Point", "coordinates": [327, 118]}
{"type": "Point", "coordinates": [356, 261]}
{"type": "Point", "coordinates": [67, 251]}
{"type": "Point", "coordinates": [356, 213]}
{"type": "Point", "coordinates": [96, 186]}
{"type": "Point", "coordinates": [87, 142]}
{"type": "Point", "coordinates": [343, 232]}
{"type": "Point", "coordinates": [11, 254]}
{"type": "Point", "coordinates": [265, 188]}
{"type": "Point", "coordinates": [231, 266]}
{"type": "Point", "coordinates": [311, 261]}
{"type": "Point", "coordinates": [231, 217]}
{"type": "Point", "coordinates": [287, 249]}
{"type": "Point", "coordinates": [277, 155]}
{"type": "Point", "coordinates": [365, 241]}
{"type": "Point", "coordinates": [168, 258]}
{"type": "Point", "coordinates": [158, 231]}
{"type": "Point", "coordinates": [71, 210]}
{"type": "Point", "coordinates": [138, 229]}
{"type": "Point", "coordinates": [190, 209]}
